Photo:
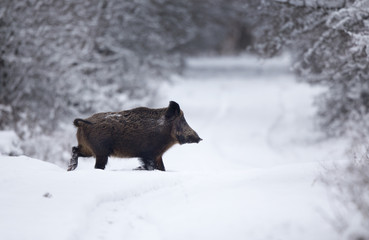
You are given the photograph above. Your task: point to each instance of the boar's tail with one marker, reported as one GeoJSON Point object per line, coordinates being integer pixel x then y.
{"type": "Point", "coordinates": [77, 121]}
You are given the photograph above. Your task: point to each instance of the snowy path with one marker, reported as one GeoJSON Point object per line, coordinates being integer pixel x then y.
{"type": "Point", "coordinates": [253, 176]}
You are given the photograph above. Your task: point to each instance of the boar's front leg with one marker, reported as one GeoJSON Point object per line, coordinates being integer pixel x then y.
{"type": "Point", "coordinates": [74, 160]}
{"type": "Point", "coordinates": [159, 164]}
{"type": "Point", "coordinates": [101, 161]}
{"type": "Point", "coordinates": [148, 164]}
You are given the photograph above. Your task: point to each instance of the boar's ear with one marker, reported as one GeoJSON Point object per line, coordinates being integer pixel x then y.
{"type": "Point", "coordinates": [173, 110]}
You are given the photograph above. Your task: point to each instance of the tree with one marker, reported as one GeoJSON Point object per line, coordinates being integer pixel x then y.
{"type": "Point", "coordinates": [329, 44]}
{"type": "Point", "coordinates": [61, 59]}
{"type": "Point", "coordinates": [328, 41]}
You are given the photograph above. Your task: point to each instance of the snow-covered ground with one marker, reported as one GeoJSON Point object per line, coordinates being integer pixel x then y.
{"type": "Point", "coordinates": [253, 177]}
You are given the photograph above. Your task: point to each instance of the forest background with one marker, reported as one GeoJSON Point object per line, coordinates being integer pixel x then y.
{"type": "Point", "coordinates": [60, 59]}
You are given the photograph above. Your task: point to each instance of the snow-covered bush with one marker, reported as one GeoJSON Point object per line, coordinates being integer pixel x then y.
{"type": "Point", "coordinates": [328, 41]}
{"type": "Point", "coordinates": [348, 184]}
{"type": "Point", "coordinates": [62, 59]}
{"type": "Point", "coordinates": [9, 143]}
{"type": "Point", "coordinates": [59, 58]}
{"type": "Point", "coordinates": [329, 44]}
{"type": "Point", "coordinates": [338, 59]}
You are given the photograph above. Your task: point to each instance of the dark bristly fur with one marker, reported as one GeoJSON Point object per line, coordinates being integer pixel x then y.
{"type": "Point", "coordinates": [141, 132]}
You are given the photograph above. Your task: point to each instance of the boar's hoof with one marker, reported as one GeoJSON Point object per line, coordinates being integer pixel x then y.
{"type": "Point", "coordinates": [149, 167]}
{"type": "Point", "coordinates": [140, 168]}
{"type": "Point", "coordinates": [71, 167]}
{"type": "Point", "coordinates": [74, 160]}
{"type": "Point", "coordinates": [144, 167]}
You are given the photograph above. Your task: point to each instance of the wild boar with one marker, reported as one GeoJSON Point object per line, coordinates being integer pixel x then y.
{"type": "Point", "coordinates": [142, 132]}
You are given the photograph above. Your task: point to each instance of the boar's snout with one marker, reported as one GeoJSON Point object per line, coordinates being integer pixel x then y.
{"type": "Point", "coordinates": [193, 138]}
{"type": "Point", "coordinates": [187, 134]}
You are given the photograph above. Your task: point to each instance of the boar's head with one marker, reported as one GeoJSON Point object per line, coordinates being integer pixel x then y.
{"type": "Point", "coordinates": [180, 128]}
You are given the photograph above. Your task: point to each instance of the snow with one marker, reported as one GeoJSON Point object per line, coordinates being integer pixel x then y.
{"type": "Point", "coordinates": [253, 177]}
{"type": "Point", "coordinates": [9, 143]}
{"type": "Point", "coordinates": [316, 3]}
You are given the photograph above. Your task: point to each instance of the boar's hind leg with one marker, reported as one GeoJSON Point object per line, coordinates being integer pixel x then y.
{"type": "Point", "coordinates": [74, 160]}
{"type": "Point", "coordinates": [101, 161]}
{"type": "Point", "coordinates": [159, 164]}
